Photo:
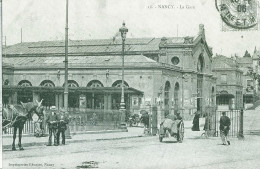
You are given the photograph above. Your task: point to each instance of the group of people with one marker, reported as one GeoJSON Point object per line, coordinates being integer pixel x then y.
{"type": "Point", "coordinates": [57, 124]}
{"type": "Point", "coordinates": [224, 126]}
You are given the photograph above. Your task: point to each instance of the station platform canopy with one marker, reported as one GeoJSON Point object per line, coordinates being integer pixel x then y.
{"type": "Point", "coordinates": [99, 90]}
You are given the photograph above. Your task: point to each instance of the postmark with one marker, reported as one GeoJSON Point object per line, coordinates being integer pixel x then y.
{"type": "Point", "coordinates": [238, 14]}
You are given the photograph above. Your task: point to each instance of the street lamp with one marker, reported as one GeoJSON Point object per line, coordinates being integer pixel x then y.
{"type": "Point", "coordinates": [123, 30]}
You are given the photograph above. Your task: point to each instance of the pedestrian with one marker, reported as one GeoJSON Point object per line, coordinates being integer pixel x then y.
{"type": "Point", "coordinates": [145, 120]}
{"type": "Point", "coordinates": [63, 121]}
{"type": "Point", "coordinates": [196, 122]}
{"type": "Point", "coordinates": [52, 121]}
{"type": "Point", "coordinates": [39, 131]}
{"type": "Point", "coordinates": [207, 122]}
{"type": "Point", "coordinates": [224, 128]}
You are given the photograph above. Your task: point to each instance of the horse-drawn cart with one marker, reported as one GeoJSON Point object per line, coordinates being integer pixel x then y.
{"type": "Point", "coordinates": [174, 128]}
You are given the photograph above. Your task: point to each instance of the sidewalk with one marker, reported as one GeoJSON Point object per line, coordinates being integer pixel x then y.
{"type": "Point", "coordinates": [86, 137]}
{"type": "Point", "coordinates": [91, 136]}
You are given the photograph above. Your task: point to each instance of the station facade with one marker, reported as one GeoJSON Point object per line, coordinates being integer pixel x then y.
{"type": "Point", "coordinates": [171, 73]}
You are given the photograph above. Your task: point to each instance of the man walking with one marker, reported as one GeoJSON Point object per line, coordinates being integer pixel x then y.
{"type": "Point", "coordinates": [63, 121]}
{"type": "Point", "coordinates": [224, 128]}
{"type": "Point", "coordinates": [52, 121]}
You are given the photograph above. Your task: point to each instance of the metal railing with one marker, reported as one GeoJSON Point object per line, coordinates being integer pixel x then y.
{"type": "Point", "coordinates": [79, 120]}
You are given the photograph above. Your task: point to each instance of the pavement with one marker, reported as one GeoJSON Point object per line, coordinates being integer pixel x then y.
{"type": "Point", "coordinates": [132, 132]}
{"type": "Point", "coordinates": [91, 136]}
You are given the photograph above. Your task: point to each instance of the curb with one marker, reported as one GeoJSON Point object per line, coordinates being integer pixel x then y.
{"type": "Point", "coordinates": [75, 133]}
{"type": "Point", "coordinates": [8, 147]}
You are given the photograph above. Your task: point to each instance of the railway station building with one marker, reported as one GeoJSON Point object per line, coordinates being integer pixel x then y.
{"type": "Point", "coordinates": [171, 73]}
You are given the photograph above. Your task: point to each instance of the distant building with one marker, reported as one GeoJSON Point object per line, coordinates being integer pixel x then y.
{"type": "Point", "coordinates": [229, 82]}
{"type": "Point", "coordinates": [173, 73]}
{"type": "Point", "coordinates": [246, 64]}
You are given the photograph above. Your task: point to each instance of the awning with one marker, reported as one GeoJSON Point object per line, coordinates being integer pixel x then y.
{"type": "Point", "coordinates": [100, 90]}
{"type": "Point", "coordinates": [226, 95]}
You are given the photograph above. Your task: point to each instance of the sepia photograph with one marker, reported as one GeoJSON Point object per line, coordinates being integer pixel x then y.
{"type": "Point", "coordinates": [130, 84]}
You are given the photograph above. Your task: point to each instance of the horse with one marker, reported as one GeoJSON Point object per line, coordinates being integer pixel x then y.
{"type": "Point", "coordinates": [16, 115]}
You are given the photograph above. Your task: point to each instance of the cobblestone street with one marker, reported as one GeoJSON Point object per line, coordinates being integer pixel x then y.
{"type": "Point", "coordinates": [146, 152]}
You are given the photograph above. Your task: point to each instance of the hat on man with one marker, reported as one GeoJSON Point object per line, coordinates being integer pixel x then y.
{"type": "Point", "coordinates": [53, 108]}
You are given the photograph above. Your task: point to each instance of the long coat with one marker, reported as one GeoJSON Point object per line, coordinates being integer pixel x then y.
{"type": "Point", "coordinates": [224, 124]}
{"type": "Point", "coordinates": [196, 122]}
{"type": "Point", "coordinates": [63, 121]}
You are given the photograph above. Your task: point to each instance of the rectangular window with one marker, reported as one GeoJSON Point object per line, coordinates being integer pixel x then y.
{"type": "Point", "coordinates": [223, 79]}
{"type": "Point", "coordinates": [249, 83]}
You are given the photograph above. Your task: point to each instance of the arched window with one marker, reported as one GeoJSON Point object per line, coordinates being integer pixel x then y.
{"type": "Point", "coordinates": [200, 65]}
{"type": "Point", "coordinates": [176, 96]}
{"type": "Point", "coordinates": [24, 96]}
{"type": "Point", "coordinates": [24, 83]}
{"type": "Point", "coordinates": [71, 83]}
{"type": "Point", "coordinates": [118, 83]}
{"type": "Point", "coordinates": [47, 83]}
{"type": "Point", "coordinates": [95, 83]}
{"type": "Point", "coordinates": [212, 96]}
{"type": "Point", "coordinates": [166, 97]}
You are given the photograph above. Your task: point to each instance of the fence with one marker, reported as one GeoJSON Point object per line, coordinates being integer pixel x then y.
{"type": "Point", "coordinates": [234, 116]}
{"type": "Point", "coordinates": [80, 120]}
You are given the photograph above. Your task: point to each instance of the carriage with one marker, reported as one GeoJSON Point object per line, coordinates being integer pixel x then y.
{"type": "Point", "coordinates": [174, 128]}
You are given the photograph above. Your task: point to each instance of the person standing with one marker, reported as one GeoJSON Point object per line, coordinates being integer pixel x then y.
{"type": "Point", "coordinates": [145, 120]}
{"type": "Point", "coordinates": [39, 131]}
{"type": "Point", "coordinates": [224, 128]}
{"type": "Point", "coordinates": [63, 121]}
{"type": "Point", "coordinates": [196, 122]}
{"type": "Point", "coordinates": [52, 121]}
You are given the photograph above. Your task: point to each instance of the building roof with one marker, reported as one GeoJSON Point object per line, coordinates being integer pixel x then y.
{"type": "Point", "coordinates": [223, 62]}
{"type": "Point", "coordinates": [244, 60]}
{"type": "Point", "coordinates": [40, 89]}
{"type": "Point", "coordinates": [86, 61]}
{"type": "Point", "coordinates": [88, 46]}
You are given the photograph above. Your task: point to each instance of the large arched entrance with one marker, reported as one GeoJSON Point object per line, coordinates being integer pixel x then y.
{"type": "Point", "coordinates": [95, 100]}
{"type": "Point", "coordinates": [48, 97]}
{"type": "Point", "coordinates": [176, 97]}
{"type": "Point", "coordinates": [116, 97]}
{"type": "Point", "coordinates": [200, 69]}
{"type": "Point", "coordinates": [24, 95]}
{"type": "Point", "coordinates": [167, 98]}
{"type": "Point", "coordinates": [73, 97]}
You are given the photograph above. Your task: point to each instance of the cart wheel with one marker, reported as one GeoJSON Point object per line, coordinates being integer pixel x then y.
{"type": "Point", "coordinates": [181, 132]}
{"type": "Point", "coordinates": [160, 138]}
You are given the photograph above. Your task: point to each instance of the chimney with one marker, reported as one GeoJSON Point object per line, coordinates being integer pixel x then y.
{"type": "Point", "coordinates": [163, 41]}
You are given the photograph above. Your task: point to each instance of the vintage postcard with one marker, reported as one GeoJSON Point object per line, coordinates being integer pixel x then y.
{"type": "Point", "coordinates": [130, 84]}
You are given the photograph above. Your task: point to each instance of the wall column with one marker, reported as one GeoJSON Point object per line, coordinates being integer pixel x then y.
{"type": "Point", "coordinates": [109, 101]}
{"type": "Point", "coordinates": [61, 101]}
{"type": "Point", "coordinates": [57, 100]}
{"type": "Point", "coordinates": [105, 101]}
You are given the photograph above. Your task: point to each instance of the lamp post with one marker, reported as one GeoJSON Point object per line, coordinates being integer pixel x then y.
{"type": "Point", "coordinates": [123, 30]}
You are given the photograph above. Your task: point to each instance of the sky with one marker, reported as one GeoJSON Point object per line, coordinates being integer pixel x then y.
{"type": "Point", "coordinates": [44, 20]}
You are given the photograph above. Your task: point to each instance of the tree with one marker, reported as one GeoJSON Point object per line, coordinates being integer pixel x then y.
{"type": "Point", "coordinates": [247, 55]}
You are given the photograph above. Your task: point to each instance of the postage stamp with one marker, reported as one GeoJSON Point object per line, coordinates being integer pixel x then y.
{"type": "Point", "coordinates": [238, 14]}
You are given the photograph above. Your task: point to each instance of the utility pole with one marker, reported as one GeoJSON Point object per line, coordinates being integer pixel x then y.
{"type": "Point", "coordinates": [1, 42]}
{"type": "Point", "coordinates": [66, 91]}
